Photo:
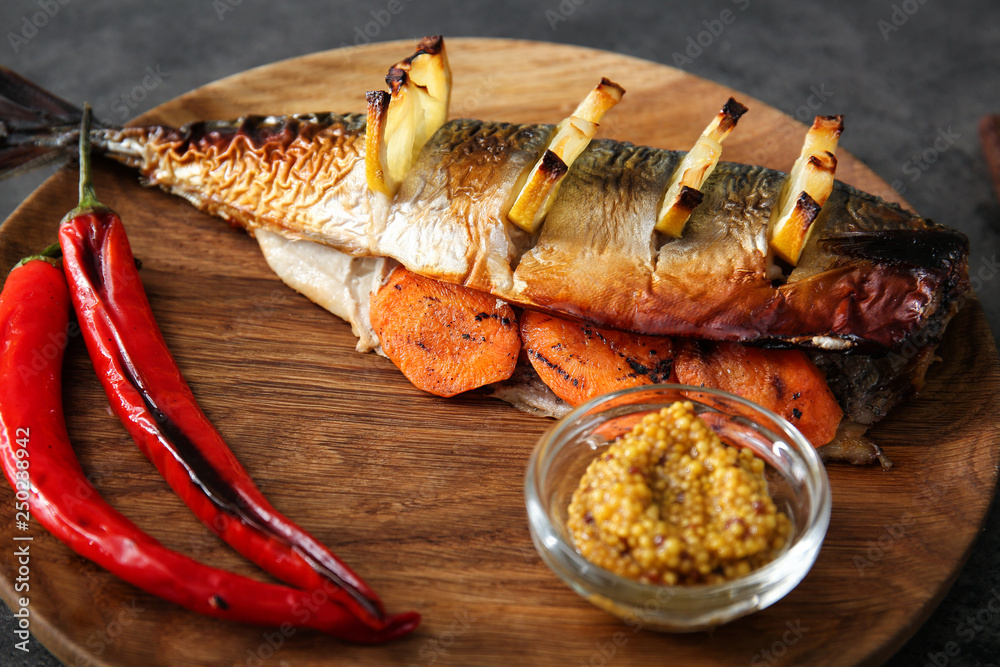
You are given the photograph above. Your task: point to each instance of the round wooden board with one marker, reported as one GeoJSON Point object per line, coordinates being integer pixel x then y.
{"type": "Point", "coordinates": [423, 495]}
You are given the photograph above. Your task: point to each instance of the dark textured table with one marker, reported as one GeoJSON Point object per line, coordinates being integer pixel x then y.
{"type": "Point", "coordinates": [912, 76]}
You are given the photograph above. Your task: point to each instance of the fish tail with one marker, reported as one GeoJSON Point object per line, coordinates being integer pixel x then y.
{"type": "Point", "coordinates": [36, 127]}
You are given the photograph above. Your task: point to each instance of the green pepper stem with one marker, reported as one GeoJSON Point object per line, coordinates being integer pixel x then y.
{"type": "Point", "coordinates": [50, 255]}
{"type": "Point", "coordinates": [88, 197]}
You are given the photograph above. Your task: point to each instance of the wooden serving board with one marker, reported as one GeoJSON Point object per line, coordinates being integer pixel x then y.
{"type": "Point", "coordinates": [423, 495]}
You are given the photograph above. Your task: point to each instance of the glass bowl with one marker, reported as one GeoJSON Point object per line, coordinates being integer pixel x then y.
{"type": "Point", "coordinates": [796, 478]}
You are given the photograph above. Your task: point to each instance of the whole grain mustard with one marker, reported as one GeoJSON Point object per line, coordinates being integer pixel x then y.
{"type": "Point", "coordinates": [669, 503]}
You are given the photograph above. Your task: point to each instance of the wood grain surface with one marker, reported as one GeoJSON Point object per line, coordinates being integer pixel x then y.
{"type": "Point", "coordinates": [423, 495]}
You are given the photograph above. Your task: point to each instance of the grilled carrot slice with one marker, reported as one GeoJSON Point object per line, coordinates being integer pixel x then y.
{"type": "Point", "coordinates": [445, 338]}
{"type": "Point", "coordinates": [784, 381]}
{"type": "Point", "coordinates": [579, 361]}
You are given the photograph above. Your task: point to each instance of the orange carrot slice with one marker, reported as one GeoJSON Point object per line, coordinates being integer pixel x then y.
{"type": "Point", "coordinates": [445, 338]}
{"type": "Point", "coordinates": [579, 361]}
{"type": "Point", "coordinates": [784, 381]}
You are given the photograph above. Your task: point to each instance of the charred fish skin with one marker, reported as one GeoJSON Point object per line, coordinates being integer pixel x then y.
{"type": "Point", "coordinates": [860, 228]}
{"type": "Point", "coordinates": [300, 175]}
{"type": "Point", "coordinates": [448, 219]}
{"type": "Point", "coordinates": [596, 256]}
{"type": "Point", "coordinates": [715, 281]}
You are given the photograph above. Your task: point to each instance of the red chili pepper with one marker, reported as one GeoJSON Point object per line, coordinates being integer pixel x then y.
{"type": "Point", "coordinates": [151, 398]}
{"type": "Point", "coordinates": [41, 466]}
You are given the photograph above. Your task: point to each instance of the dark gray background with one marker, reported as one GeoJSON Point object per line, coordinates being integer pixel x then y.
{"type": "Point", "coordinates": [903, 71]}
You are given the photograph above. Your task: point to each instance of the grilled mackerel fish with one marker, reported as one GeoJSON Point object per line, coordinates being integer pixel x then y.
{"type": "Point", "coordinates": [642, 239]}
{"type": "Point", "coordinates": [871, 275]}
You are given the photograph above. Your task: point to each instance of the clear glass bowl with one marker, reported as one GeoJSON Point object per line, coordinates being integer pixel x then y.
{"type": "Point", "coordinates": [796, 477]}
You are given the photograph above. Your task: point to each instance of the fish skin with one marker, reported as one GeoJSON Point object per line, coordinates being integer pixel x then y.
{"type": "Point", "coordinates": [596, 256]}
{"type": "Point", "coordinates": [714, 282]}
{"type": "Point", "coordinates": [447, 220]}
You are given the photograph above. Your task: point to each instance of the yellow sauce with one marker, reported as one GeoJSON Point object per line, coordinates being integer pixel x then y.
{"type": "Point", "coordinates": [669, 503]}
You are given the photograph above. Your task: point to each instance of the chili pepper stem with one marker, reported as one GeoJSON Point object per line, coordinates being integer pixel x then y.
{"type": "Point", "coordinates": [50, 255]}
{"type": "Point", "coordinates": [88, 196]}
